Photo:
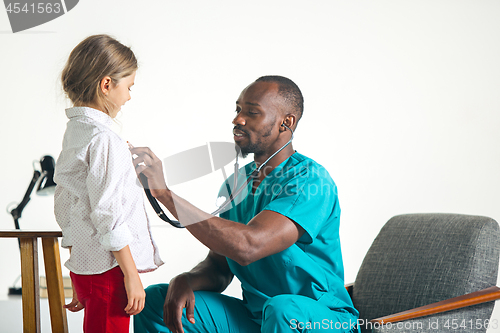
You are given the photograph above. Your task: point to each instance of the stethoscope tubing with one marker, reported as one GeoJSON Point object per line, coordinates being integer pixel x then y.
{"type": "Point", "coordinates": [232, 196]}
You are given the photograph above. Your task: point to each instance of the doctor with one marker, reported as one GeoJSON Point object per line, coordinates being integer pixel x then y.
{"type": "Point", "coordinates": [281, 241]}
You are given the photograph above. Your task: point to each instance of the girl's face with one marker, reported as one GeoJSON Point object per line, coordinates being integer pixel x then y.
{"type": "Point", "coordinates": [119, 94]}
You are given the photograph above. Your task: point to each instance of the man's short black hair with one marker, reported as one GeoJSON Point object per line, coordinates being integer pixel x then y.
{"type": "Point", "coordinates": [289, 91]}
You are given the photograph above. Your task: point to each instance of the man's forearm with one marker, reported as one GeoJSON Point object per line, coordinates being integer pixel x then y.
{"type": "Point", "coordinates": [212, 274]}
{"type": "Point", "coordinates": [267, 233]}
{"type": "Point", "coordinates": [208, 229]}
{"type": "Point", "coordinates": [185, 212]}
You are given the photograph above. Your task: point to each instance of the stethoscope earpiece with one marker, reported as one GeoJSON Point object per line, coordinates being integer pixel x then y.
{"type": "Point", "coordinates": [287, 128]}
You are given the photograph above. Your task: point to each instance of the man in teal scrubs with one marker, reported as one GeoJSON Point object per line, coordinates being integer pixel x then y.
{"type": "Point", "coordinates": [281, 240]}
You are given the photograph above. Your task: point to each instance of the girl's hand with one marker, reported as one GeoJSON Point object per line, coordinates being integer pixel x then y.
{"type": "Point", "coordinates": [75, 304]}
{"type": "Point", "coordinates": [135, 294]}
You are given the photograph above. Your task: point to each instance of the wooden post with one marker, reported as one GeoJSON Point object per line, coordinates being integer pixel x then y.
{"type": "Point", "coordinates": [30, 285]}
{"type": "Point", "coordinates": [55, 288]}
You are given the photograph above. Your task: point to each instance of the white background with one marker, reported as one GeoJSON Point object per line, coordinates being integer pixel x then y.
{"type": "Point", "coordinates": [401, 103]}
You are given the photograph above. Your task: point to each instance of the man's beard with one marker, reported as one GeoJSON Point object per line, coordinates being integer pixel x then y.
{"type": "Point", "coordinates": [251, 148]}
{"type": "Point", "coordinates": [255, 147]}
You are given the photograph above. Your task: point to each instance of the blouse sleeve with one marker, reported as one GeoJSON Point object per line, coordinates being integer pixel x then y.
{"type": "Point", "coordinates": [107, 165]}
{"type": "Point", "coordinates": [62, 211]}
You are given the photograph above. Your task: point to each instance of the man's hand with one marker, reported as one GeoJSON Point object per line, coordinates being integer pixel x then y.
{"type": "Point", "coordinates": [180, 295]}
{"type": "Point", "coordinates": [151, 166]}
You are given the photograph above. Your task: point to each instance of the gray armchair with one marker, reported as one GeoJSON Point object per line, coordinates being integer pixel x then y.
{"type": "Point", "coordinates": [424, 264]}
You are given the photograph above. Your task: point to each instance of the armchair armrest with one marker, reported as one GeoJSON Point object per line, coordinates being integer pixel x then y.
{"type": "Point", "coordinates": [478, 297]}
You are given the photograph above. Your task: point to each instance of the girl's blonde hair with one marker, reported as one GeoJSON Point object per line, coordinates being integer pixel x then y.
{"type": "Point", "coordinates": [90, 61]}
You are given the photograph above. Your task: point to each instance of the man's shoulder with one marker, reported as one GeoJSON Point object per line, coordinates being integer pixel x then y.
{"type": "Point", "coordinates": [307, 166]}
{"type": "Point", "coordinates": [305, 161]}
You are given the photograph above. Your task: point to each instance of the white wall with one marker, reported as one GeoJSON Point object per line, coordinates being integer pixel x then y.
{"type": "Point", "coordinates": [401, 102]}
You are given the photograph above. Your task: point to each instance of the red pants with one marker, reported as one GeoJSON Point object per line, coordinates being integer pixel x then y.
{"type": "Point", "coordinates": [104, 298]}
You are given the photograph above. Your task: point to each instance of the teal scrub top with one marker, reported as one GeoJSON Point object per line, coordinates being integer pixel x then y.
{"type": "Point", "coordinates": [302, 190]}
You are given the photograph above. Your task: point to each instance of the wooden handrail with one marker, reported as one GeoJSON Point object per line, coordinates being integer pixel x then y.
{"type": "Point", "coordinates": [15, 233]}
{"type": "Point", "coordinates": [478, 297]}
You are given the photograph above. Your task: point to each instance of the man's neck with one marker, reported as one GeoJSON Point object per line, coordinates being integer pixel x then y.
{"type": "Point", "coordinates": [273, 163]}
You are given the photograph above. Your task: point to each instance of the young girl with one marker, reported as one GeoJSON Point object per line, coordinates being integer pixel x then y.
{"type": "Point", "coordinates": [98, 204]}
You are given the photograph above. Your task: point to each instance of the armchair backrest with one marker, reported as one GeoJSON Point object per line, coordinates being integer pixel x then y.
{"type": "Point", "coordinates": [420, 259]}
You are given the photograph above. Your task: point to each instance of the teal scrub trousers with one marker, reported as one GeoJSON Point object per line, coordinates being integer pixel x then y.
{"type": "Point", "coordinates": [215, 312]}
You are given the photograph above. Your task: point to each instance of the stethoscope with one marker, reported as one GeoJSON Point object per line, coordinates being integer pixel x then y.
{"type": "Point", "coordinates": [161, 214]}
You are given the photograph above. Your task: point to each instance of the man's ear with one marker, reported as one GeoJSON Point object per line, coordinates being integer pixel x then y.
{"type": "Point", "coordinates": [289, 121]}
{"type": "Point", "coordinates": [105, 85]}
